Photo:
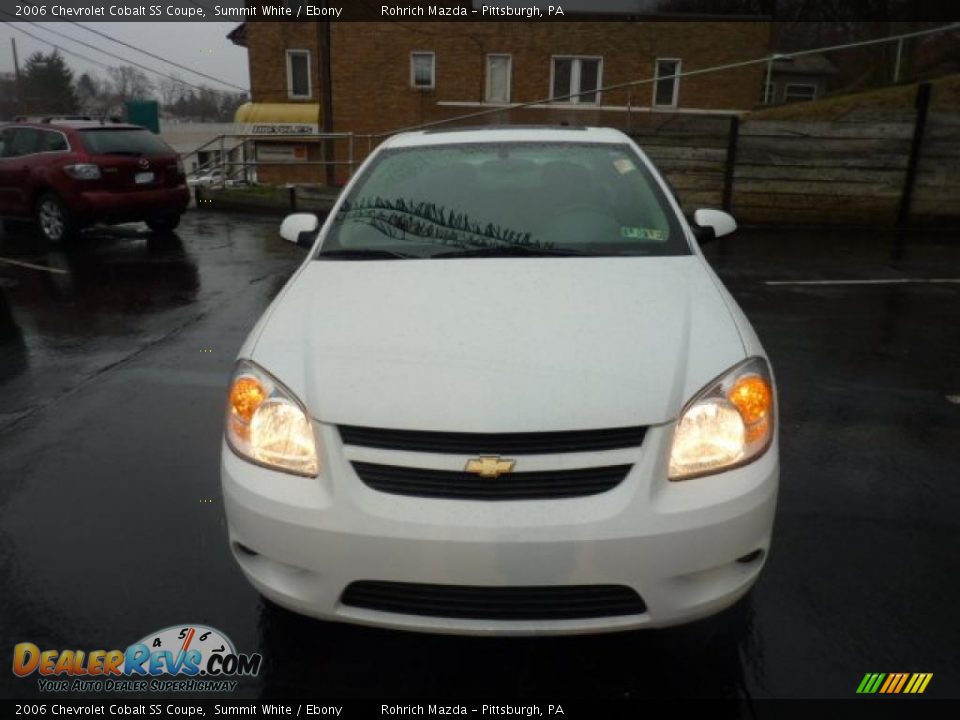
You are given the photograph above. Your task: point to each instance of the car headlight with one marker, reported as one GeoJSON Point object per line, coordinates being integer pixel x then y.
{"type": "Point", "coordinates": [728, 423]}
{"type": "Point", "coordinates": [266, 424]}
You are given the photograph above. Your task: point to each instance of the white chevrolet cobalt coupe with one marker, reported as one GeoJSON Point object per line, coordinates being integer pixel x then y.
{"type": "Point", "coordinates": [504, 394]}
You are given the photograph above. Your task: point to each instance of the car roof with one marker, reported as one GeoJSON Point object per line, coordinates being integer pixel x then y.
{"type": "Point", "coordinates": [94, 124]}
{"type": "Point", "coordinates": [506, 133]}
{"type": "Point", "coordinates": [71, 125]}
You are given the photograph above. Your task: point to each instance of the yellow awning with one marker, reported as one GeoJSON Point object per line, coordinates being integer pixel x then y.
{"type": "Point", "coordinates": [285, 113]}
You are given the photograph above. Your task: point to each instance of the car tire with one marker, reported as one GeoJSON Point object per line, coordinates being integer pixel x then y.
{"type": "Point", "coordinates": [164, 224]}
{"type": "Point", "coordinates": [54, 219]}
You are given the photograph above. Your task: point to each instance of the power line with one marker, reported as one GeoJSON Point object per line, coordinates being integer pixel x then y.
{"type": "Point", "coordinates": [105, 52]}
{"type": "Point", "coordinates": [16, 27]}
{"type": "Point", "coordinates": [157, 57]}
{"type": "Point", "coordinates": [953, 27]}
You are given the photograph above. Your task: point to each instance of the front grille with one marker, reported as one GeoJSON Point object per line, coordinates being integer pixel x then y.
{"type": "Point", "coordinates": [495, 443]}
{"type": "Point", "coordinates": [552, 602]}
{"type": "Point", "coordinates": [538, 485]}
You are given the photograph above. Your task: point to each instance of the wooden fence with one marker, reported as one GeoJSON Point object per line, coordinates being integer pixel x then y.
{"type": "Point", "coordinates": [856, 170]}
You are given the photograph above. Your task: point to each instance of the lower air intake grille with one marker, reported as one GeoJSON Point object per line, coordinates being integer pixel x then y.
{"type": "Point", "coordinates": [539, 485]}
{"type": "Point", "coordinates": [552, 602]}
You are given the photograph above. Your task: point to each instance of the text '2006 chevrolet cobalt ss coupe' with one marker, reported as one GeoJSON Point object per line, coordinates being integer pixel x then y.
{"type": "Point", "coordinates": [504, 394]}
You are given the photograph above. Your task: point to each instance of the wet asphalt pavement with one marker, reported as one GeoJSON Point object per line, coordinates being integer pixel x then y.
{"type": "Point", "coordinates": [112, 377]}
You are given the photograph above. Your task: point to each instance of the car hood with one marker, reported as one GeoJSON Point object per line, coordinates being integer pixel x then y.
{"type": "Point", "coordinates": [505, 345]}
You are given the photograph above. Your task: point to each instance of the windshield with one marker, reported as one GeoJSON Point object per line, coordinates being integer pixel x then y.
{"type": "Point", "coordinates": [135, 141]}
{"type": "Point", "coordinates": [513, 198]}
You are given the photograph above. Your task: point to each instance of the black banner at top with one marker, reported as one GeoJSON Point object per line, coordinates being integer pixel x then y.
{"type": "Point", "coordinates": [474, 10]}
{"type": "Point", "coordinates": [501, 709]}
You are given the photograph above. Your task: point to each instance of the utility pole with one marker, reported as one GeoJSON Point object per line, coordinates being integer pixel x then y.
{"type": "Point", "coordinates": [16, 72]}
{"type": "Point", "coordinates": [326, 94]}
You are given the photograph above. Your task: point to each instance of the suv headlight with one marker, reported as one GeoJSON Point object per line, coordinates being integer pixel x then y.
{"type": "Point", "coordinates": [728, 423]}
{"type": "Point", "coordinates": [267, 425]}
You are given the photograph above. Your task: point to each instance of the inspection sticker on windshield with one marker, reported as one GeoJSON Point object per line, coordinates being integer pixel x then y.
{"type": "Point", "coordinates": [639, 233]}
{"type": "Point", "coordinates": [623, 165]}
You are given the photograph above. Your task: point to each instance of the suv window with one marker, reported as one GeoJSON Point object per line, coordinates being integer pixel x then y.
{"type": "Point", "coordinates": [52, 141]}
{"type": "Point", "coordinates": [133, 141]}
{"type": "Point", "coordinates": [21, 141]}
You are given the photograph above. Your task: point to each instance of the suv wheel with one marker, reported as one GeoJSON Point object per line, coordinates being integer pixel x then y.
{"type": "Point", "coordinates": [54, 219]}
{"type": "Point", "coordinates": [164, 224]}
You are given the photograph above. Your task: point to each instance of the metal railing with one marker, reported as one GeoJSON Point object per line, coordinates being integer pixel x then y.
{"type": "Point", "coordinates": [243, 142]}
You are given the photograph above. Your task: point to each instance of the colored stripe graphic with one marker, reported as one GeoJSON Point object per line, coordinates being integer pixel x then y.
{"type": "Point", "coordinates": [892, 679]}
{"type": "Point", "coordinates": [922, 683]}
{"type": "Point", "coordinates": [903, 680]}
{"type": "Point", "coordinates": [894, 683]}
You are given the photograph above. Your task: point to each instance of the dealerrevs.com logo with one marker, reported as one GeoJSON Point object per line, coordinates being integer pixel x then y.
{"type": "Point", "coordinates": [180, 658]}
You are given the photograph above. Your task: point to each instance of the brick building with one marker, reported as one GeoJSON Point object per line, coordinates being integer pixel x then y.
{"type": "Point", "coordinates": [386, 76]}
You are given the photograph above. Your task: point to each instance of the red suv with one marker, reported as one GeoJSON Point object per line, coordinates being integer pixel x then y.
{"type": "Point", "coordinates": [68, 173]}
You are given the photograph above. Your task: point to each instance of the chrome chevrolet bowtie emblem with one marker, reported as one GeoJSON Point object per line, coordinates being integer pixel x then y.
{"type": "Point", "coordinates": [143, 162]}
{"type": "Point", "coordinates": [490, 467]}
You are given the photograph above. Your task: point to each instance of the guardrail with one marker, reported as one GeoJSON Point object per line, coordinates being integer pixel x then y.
{"type": "Point", "coordinates": [226, 145]}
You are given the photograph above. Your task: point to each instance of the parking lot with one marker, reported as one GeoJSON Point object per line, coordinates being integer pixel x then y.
{"type": "Point", "coordinates": [114, 356]}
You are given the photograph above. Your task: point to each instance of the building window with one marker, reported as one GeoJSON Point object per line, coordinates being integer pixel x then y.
{"type": "Point", "coordinates": [666, 90]}
{"type": "Point", "coordinates": [578, 77]}
{"type": "Point", "coordinates": [799, 93]}
{"type": "Point", "coordinates": [423, 70]}
{"type": "Point", "coordinates": [298, 74]}
{"type": "Point", "coordinates": [769, 93]}
{"type": "Point", "coordinates": [498, 78]}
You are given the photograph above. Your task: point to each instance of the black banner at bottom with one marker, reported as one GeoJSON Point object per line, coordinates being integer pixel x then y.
{"type": "Point", "coordinates": [853, 709]}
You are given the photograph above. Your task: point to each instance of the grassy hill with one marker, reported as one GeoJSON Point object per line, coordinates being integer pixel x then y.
{"type": "Point", "coordinates": [946, 97]}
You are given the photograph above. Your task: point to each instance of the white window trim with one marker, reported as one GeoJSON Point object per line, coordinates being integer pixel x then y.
{"type": "Point", "coordinates": [433, 70]}
{"type": "Point", "coordinates": [486, 92]}
{"type": "Point", "coordinates": [66, 140]}
{"type": "Point", "coordinates": [676, 81]}
{"type": "Point", "coordinates": [770, 93]}
{"type": "Point", "coordinates": [786, 90]}
{"type": "Point", "coordinates": [575, 79]}
{"type": "Point", "coordinates": [605, 108]}
{"type": "Point", "coordinates": [290, 94]}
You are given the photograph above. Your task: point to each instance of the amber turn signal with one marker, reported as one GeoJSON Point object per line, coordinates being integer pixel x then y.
{"type": "Point", "coordinates": [246, 395]}
{"type": "Point", "coordinates": [753, 397]}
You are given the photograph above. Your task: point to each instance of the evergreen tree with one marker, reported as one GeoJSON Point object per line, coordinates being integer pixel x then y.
{"type": "Point", "coordinates": [48, 84]}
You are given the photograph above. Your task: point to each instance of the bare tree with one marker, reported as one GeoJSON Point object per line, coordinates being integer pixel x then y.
{"type": "Point", "coordinates": [171, 89]}
{"type": "Point", "coordinates": [95, 95]}
{"type": "Point", "coordinates": [130, 83]}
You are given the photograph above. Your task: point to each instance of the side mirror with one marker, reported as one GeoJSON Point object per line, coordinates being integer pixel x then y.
{"type": "Point", "coordinates": [300, 228]}
{"type": "Point", "coordinates": [710, 224]}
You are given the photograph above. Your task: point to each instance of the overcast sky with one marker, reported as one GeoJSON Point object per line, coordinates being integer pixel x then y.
{"type": "Point", "coordinates": [201, 45]}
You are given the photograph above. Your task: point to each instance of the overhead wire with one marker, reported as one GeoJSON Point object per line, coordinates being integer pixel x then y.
{"type": "Point", "coordinates": [112, 55]}
{"type": "Point", "coordinates": [158, 57]}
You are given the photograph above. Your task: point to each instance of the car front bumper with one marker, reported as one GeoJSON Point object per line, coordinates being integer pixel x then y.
{"type": "Point", "coordinates": [689, 549]}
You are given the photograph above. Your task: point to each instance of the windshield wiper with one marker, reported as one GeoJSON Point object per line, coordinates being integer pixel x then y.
{"type": "Point", "coordinates": [510, 251]}
{"type": "Point", "coordinates": [364, 254]}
